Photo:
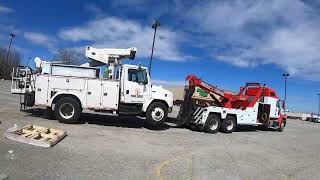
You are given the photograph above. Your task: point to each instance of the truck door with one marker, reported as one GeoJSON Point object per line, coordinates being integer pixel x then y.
{"type": "Point", "coordinates": [282, 107]}
{"type": "Point", "coordinates": [136, 86]}
{"type": "Point", "coordinates": [277, 111]}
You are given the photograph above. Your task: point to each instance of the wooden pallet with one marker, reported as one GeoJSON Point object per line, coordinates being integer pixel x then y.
{"type": "Point", "coordinates": [36, 135]}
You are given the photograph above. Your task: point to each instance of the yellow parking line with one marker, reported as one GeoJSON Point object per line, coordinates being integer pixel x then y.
{"type": "Point", "coordinates": [163, 164]}
{"type": "Point", "coordinates": [4, 109]}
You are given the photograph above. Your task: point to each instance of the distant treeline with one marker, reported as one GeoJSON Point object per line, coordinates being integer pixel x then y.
{"type": "Point", "coordinates": [70, 56]}
{"type": "Point", "coordinates": [6, 64]}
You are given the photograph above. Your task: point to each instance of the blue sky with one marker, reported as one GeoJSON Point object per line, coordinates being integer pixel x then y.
{"type": "Point", "coordinates": [226, 43]}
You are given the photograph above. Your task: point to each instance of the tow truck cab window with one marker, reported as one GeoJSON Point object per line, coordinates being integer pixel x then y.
{"type": "Point", "coordinates": [137, 75]}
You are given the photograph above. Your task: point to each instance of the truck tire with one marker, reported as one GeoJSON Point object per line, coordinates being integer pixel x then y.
{"type": "Point", "coordinates": [228, 125]}
{"type": "Point", "coordinates": [281, 127]}
{"type": "Point", "coordinates": [157, 113]}
{"type": "Point", "coordinates": [264, 127]}
{"type": "Point", "coordinates": [212, 124]}
{"type": "Point", "coordinates": [67, 110]}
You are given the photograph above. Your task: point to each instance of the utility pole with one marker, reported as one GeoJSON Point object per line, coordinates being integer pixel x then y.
{"type": "Point", "coordinates": [155, 25]}
{"type": "Point", "coordinates": [285, 75]}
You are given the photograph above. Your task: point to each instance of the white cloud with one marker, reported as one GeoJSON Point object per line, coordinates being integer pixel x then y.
{"type": "Point", "coordinates": [237, 61]}
{"type": "Point", "coordinates": [129, 3]}
{"type": "Point", "coordinates": [41, 39]}
{"type": "Point", "coordinates": [248, 33]}
{"type": "Point", "coordinates": [94, 9]}
{"type": "Point", "coordinates": [5, 10]}
{"type": "Point", "coordinates": [20, 49]}
{"type": "Point", "coordinates": [37, 38]}
{"type": "Point", "coordinates": [166, 83]}
{"type": "Point", "coordinates": [114, 32]}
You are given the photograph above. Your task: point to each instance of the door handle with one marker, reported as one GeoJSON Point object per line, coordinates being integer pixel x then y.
{"type": "Point", "coordinates": [127, 91]}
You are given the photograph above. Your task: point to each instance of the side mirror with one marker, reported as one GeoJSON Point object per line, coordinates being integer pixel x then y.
{"type": "Point", "coordinates": [284, 105]}
{"type": "Point", "coordinates": [145, 81]}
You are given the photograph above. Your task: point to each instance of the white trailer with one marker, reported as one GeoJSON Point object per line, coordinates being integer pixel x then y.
{"type": "Point", "coordinates": [68, 89]}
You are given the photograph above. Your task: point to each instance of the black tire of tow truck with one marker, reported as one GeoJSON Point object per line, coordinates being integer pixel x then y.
{"type": "Point", "coordinates": [71, 102]}
{"type": "Point", "coordinates": [281, 128]}
{"type": "Point", "coordinates": [225, 124]}
{"type": "Point", "coordinates": [153, 106]}
{"type": "Point", "coordinates": [212, 119]}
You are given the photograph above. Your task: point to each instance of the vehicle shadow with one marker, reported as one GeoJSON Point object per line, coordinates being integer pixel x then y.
{"type": "Point", "coordinates": [132, 122]}
{"type": "Point", "coordinates": [37, 112]}
{"type": "Point", "coordinates": [120, 121]}
{"type": "Point", "coordinates": [254, 128]}
{"type": "Point", "coordinates": [102, 120]}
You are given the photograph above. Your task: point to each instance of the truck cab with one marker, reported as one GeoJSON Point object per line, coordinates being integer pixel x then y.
{"type": "Point", "coordinates": [137, 91]}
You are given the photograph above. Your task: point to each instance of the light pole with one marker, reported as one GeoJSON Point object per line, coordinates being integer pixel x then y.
{"type": "Point", "coordinates": [285, 75]}
{"type": "Point", "coordinates": [155, 25]}
{"type": "Point", "coordinates": [8, 52]}
{"type": "Point", "coordinates": [319, 105]}
{"type": "Point", "coordinates": [4, 71]}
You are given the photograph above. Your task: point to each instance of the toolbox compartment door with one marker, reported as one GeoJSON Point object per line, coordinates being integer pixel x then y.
{"type": "Point", "coordinates": [110, 95]}
{"type": "Point", "coordinates": [67, 83]}
{"type": "Point", "coordinates": [93, 94]}
{"type": "Point", "coordinates": [41, 91]}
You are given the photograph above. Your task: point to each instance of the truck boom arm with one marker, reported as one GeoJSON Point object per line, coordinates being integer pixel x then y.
{"type": "Point", "coordinates": [226, 96]}
{"type": "Point", "coordinates": [195, 81]}
{"type": "Point", "coordinates": [108, 56]}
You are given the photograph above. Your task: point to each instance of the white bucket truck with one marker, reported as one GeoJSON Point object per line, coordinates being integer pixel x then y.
{"type": "Point", "coordinates": [68, 89]}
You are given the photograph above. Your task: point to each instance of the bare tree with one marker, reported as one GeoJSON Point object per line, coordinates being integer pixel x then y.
{"type": "Point", "coordinates": [71, 56]}
{"type": "Point", "coordinates": [6, 64]}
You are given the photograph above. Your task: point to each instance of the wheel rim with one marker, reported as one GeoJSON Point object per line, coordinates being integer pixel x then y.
{"type": "Point", "coordinates": [157, 114]}
{"type": "Point", "coordinates": [213, 125]}
{"type": "Point", "coordinates": [66, 110]}
{"type": "Point", "coordinates": [230, 125]}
